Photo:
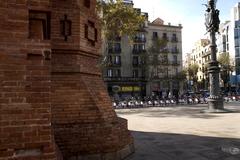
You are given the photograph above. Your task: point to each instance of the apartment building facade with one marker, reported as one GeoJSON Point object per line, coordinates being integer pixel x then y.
{"type": "Point", "coordinates": [163, 77]}
{"type": "Point", "coordinates": [201, 56]}
{"type": "Point", "coordinates": [126, 72]}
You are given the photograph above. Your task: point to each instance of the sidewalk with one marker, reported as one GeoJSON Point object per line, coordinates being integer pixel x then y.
{"type": "Point", "coordinates": [184, 133]}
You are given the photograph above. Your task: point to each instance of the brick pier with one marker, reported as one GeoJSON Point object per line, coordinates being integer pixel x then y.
{"type": "Point", "coordinates": [53, 102]}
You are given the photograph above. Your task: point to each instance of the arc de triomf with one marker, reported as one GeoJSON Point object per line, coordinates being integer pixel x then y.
{"type": "Point", "coordinates": [53, 102]}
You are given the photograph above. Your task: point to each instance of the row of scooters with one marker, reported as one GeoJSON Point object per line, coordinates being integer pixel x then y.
{"type": "Point", "coordinates": [157, 102]}
{"type": "Point", "coordinates": [231, 98]}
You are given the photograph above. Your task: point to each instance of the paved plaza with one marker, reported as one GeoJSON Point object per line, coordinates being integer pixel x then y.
{"type": "Point", "coordinates": [184, 133]}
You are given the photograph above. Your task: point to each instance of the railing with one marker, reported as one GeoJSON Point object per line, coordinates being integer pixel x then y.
{"type": "Point", "coordinates": [165, 38]}
{"type": "Point", "coordinates": [114, 50]}
{"type": "Point", "coordinates": [114, 64]}
{"type": "Point", "coordinates": [176, 63]}
{"type": "Point", "coordinates": [137, 64]}
{"type": "Point", "coordinates": [138, 51]}
{"type": "Point", "coordinates": [164, 77]}
{"type": "Point", "coordinates": [166, 62]}
{"type": "Point", "coordinates": [164, 51]}
{"type": "Point", "coordinates": [140, 39]}
{"type": "Point", "coordinates": [175, 51]}
{"type": "Point", "coordinates": [174, 39]}
{"type": "Point", "coordinates": [116, 39]}
{"type": "Point", "coordinates": [126, 79]}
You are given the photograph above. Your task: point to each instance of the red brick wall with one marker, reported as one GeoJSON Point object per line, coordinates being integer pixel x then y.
{"type": "Point", "coordinates": [51, 86]}
{"type": "Point", "coordinates": [83, 118]}
{"type": "Point", "coordinates": [25, 108]}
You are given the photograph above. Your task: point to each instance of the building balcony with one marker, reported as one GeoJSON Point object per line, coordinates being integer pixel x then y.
{"type": "Point", "coordinates": [166, 62]}
{"type": "Point", "coordinates": [118, 38]}
{"type": "Point", "coordinates": [165, 51]}
{"type": "Point", "coordinates": [114, 64]}
{"type": "Point", "coordinates": [174, 39]}
{"type": "Point", "coordinates": [115, 39]}
{"type": "Point", "coordinates": [166, 77]}
{"type": "Point", "coordinates": [165, 38]}
{"type": "Point", "coordinates": [114, 50]}
{"type": "Point", "coordinates": [139, 39]}
{"type": "Point", "coordinates": [175, 63]}
{"type": "Point", "coordinates": [159, 62]}
{"type": "Point", "coordinates": [206, 54]}
{"type": "Point", "coordinates": [138, 51]}
{"type": "Point", "coordinates": [175, 51]}
{"type": "Point", "coordinates": [124, 79]}
{"type": "Point", "coordinates": [155, 37]}
{"type": "Point", "coordinates": [161, 77]}
{"type": "Point", "coordinates": [137, 64]}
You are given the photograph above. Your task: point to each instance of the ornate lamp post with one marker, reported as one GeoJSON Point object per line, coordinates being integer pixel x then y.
{"type": "Point", "coordinates": [215, 101]}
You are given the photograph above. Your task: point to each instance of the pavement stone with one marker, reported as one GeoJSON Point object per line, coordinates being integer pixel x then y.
{"type": "Point", "coordinates": [184, 133]}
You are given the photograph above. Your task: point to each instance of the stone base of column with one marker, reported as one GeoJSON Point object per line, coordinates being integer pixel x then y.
{"type": "Point", "coordinates": [215, 105]}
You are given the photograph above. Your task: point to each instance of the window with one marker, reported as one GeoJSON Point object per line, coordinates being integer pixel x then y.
{"type": "Point", "coordinates": [141, 47]}
{"type": "Point", "coordinates": [174, 37]}
{"type": "Point", "coordinates": [174, 49]}
{"type": "Point", "coordinates": [114, 48]}
{"type": "Point", "coordinates": [155, 35]}
{"type": "Point", "coordinates": [174, 59]}
{"type": "Point", "coordinates": [165, 59]}
{"type": "Point", "coordinates": [135, 60]}
{"type": "Point", "coordinates": [164, 36]}
{"type": "Point", "coordinates": [118, 46]}
{"type": "Point", "coordinates": [117, 60]}
{"type": "Point", "coordinates": [39, 25]}
{"type": "Point", "coordinates": [135, 73]}
{"type": "Point", "coordinates": [110, 59]}
{"type": "Point", "coordinates": [109, 73]}
{"type": "Point", "coordinates": [117, 73]}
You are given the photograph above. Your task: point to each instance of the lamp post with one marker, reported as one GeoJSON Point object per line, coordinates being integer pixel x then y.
{"type": "Point", "coordinates": [215, 101]}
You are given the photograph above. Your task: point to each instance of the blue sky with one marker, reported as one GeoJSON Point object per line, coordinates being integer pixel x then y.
{"type": "Point", "coordinates": [190, 13]}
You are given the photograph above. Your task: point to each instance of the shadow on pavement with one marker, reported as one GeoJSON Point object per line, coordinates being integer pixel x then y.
{"type": "Point", "coordinates": [164, 146]}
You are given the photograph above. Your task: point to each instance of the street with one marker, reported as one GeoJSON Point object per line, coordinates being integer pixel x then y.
{"type": "Point", "coordinates": [184, 133]}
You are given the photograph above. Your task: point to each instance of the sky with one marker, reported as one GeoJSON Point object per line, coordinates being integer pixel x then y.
{"type": "Point", "coordinates": [189, 13]}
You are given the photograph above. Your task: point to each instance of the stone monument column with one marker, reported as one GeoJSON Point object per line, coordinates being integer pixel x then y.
{"type": "Point", "coordinates": [215, 101]}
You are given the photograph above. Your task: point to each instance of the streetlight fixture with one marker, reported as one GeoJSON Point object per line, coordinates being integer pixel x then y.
{"type": "Point", "coordinates": [215, 101]}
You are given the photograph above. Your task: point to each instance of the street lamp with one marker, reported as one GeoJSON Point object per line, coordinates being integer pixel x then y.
{"type": "Point", "coordinates": [215, 101]}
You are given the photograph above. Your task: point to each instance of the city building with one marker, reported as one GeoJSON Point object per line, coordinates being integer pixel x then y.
{"type": "Point", "coordinates": [124, 72]}
{"type": "Point", "coordinates": [187, 60]}
{"type": "Point", "coordinates": [234, 47]}
{"type": "Point", "coordinates": [223, 38]}
{"type": "Point", "coordinates": [201, 56]}
{"type": "Point", "coordinates": [199, 52]}
{"type": "Point", "coordinates": [163, 77]}
{"type": "Point", "coordinates": [228, 41]}
{"type": "Point", "coordinates": [127, 72]}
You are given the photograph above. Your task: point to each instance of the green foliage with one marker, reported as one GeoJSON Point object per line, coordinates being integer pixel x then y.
{"type": "Point", "coordinates": [225, 62]}
{"type": "Point", "coordinates": [226, 67]}
{"type": "Point", "coordinates": [157, 46]}
{"type": "Point", "coordinates": [118, 18]}
{"type": "Point", "coordinates": [151, 57]}
{"type": "Point", "coordinates": [192, 71]}
{"type": "Point", "coordinates": [182, 75]}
